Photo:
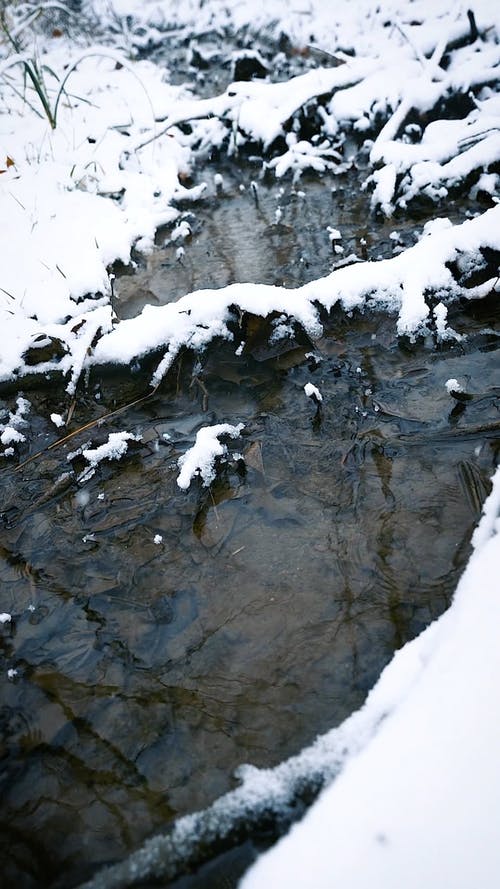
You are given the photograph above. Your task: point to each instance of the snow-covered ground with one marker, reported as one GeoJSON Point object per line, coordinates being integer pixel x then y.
{"type": "Point", "coordinates": [417, 799]}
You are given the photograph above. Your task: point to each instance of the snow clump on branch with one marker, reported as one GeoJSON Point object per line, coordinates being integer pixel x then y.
{"type": "Point", "coordinates": [200, 459]}
{"type": "Point", "coordinates": [113, 449]}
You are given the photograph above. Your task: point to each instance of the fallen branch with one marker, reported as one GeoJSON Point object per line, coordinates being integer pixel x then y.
{"type": "Point", "coordinates": [403, 285]}
{"type": "Point", "coordinates": [262, 109]}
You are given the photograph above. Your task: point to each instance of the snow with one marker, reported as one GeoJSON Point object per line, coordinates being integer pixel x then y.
{"type": "Point", "coordinates": [440, 313]}
{"type": "Point", "coordinates": [488, 183]}
{"type": "Point", "coordinates": [64, 203]}
{"type": "Point", "coordinates": [302, 155]}
{"type": "Point", "coordinates": [5, 617]}
{"type": "Point", "coordinates": [181, 231]}
{"type": "Point", "coordinates": [57, 420]}
{"type": "Point", "coordinates": [447, 153]}
{"type": "Point", "coordinates": [452, 385]}
{"type": "Point", "coordinates": [313, 392]}
{"type": "Point", "coordinates": [113, 449]}
{"type": "Point", "coordinates": [385, 182]}
{"type": "Point", "coordinates": [60, 197]}
{"type": "Point", "coordinates": [10, 435]}
{"type": "Point", "coordinates": [157, 539]}
{"type": "Point", "coordinates": [333, 233]}
{"type": "Point", "coordinates": [417, 802]}
{"type": "Point", "coordinates": [200, 459]}
{"type": "Point", "coordinates": [10, 431]}
{"type": "Point", "coordinates": [489, 525]}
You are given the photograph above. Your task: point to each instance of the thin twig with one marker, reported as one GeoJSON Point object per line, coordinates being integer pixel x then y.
{"type": "Point", "coordinates": [201, 384]}
{"type": "Point", "coordinates": [71, 411]}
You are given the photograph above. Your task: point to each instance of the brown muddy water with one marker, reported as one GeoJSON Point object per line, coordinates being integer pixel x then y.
{"type": "Point", "coordinates": [147, 672]}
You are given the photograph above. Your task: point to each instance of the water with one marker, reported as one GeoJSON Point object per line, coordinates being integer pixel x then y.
{"type": "Point", "coordinates": [147, 673]}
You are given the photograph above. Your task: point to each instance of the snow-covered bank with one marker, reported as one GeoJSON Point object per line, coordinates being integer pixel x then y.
{"type": "Point", "coordinates": [78, 197]}
{"type": "Point", "coordinates": [109, 174]}
{"type": "Point", "coordinates": [419, 804]}
{"type": "Point", "coordinates": [72, 205]}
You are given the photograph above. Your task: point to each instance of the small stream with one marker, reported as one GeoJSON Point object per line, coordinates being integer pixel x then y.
{"type": "Point", "coordinates": [147, 672]}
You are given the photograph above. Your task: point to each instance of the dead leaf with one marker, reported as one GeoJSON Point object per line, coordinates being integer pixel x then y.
{"type": "Point", "coordinates": [8, 163]}
{"type": "Point", "coordinates": [253, 457]}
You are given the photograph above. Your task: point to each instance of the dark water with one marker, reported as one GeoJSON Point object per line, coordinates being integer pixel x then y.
{"type": "Point", "coordinates": [147, 673]}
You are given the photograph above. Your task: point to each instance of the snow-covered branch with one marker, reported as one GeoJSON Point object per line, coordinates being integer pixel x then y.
{"type": "Point", "coordinates": [201, 458]}
{"type": "Point", "coordinates": [404, 286]}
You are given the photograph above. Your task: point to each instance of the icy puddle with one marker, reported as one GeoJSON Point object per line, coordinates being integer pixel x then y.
{"type": "Point", "coordinates": [160, 638]}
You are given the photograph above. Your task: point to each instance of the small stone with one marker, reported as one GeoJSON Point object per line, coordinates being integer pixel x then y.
{"type": "Point", "coordinates": [248, 66]}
